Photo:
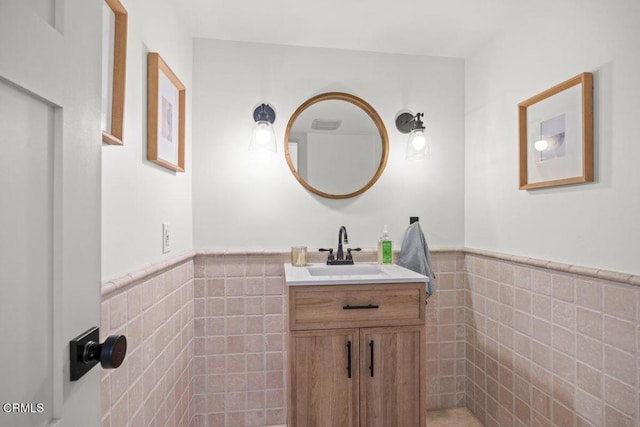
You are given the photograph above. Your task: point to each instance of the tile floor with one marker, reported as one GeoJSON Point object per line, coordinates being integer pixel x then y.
{"type": "Point", "coordinates": [456, 417]}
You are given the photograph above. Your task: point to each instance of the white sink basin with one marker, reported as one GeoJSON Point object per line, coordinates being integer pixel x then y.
{"type": "Point", "coordinates": [344, 270]}
{"type": "Point", "coordinates": [360, 273]}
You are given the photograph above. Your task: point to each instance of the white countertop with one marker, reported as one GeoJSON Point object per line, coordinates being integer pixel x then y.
{"type": "Point", "coordinates": [296, 276]}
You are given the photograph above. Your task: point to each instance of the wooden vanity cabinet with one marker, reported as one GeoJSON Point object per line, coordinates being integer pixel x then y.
{"type": "Point", "coordinates": [323, 391]}
{"type": "Point", "coordinates": [357, 355]}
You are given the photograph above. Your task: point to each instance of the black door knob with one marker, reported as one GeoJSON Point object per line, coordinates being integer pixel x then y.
{"type": "Point", "coordinates": [85, 352]}
{"type": "Point", "coordinates": [110, 353]}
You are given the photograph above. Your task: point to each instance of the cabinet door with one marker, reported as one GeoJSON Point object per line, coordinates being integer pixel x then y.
{"type": "Point", "coordinates": [392, 377]}
{"type": "Point", "coordinates": [324, 368]}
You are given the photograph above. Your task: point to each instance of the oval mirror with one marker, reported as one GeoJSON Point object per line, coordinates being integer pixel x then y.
{"type": "Point", "coordinates": [336, 145]}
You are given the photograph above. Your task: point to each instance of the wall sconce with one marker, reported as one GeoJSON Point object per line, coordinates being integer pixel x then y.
{"type": "Point", "coordinates": [419, 144]}
{"type": "Point", "coordinates": [263, 138]}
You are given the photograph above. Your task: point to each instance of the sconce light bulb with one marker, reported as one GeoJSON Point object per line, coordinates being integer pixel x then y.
{"type": "Point", "coordinates": [418, 141]}
{"type": "Point", "coordinates": [419, 146]}
{"type": "Point", "coordinates": [263, 138]}
{"type": "Point", "coordinates": [263, 135]}
{"type": "Point", "coordinates": [541, 145]}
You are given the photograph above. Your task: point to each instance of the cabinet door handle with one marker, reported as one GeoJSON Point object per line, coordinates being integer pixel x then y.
{"type": "Point", "coordinates": [349, 359]}
{"type": "Point", "coordinates": [360, 307]}
{"type": "Point", "coordinates": [371, 366]}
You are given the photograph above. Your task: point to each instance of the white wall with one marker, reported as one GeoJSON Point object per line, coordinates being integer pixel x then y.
{"type": "Point", "coordinates": [137, 195]}
{"type": "Point", "coordinates": [597, 224]}
{"type": "Point", "coordinates": [244, 200]}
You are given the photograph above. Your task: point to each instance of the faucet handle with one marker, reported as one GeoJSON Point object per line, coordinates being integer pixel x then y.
{"type": "Point", "coordinates": [330, 250]}
{"type": "Point", "coordinates": [349, 257]}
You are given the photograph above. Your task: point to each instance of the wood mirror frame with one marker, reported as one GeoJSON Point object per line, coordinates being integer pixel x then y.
{"type": "Point", "coordinates": [369, 110]}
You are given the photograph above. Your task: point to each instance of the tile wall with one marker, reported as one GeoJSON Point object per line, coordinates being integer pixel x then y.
{"type": "Point", "coordinates": [240, 340]}
{"type": "Point", "coordinates": [240, 337]}
{"type": "Point", "coordinates": [154, 310]}
{"type": "Point", "coordinates": [519, 342]}
{"type": "Point", "coordinates": [445, 330]}
{"type": "Point", "coordinates": [550, 346]}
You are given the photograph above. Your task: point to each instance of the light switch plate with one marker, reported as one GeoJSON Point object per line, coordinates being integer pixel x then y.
{"type": "Point", "coordinates": [166, 237]}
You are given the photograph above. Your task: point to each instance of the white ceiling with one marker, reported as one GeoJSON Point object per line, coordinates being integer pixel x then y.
{"type": "Point", "coordinates": [423, 27]}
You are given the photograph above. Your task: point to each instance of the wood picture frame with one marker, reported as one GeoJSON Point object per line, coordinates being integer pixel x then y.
{"type": "Point", "coordinates": [114, 52]}
{"type": "Point", "coordinates": [166, 99]}
{"type": "Point", "coordinates": [556, 135]}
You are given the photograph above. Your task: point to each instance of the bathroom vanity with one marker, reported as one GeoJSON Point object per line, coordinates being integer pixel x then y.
{"type": "Point", "coordinates": [356, 346]}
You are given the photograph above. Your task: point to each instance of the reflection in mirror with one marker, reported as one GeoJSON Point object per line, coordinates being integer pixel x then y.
{"type": "Point", "coordinates": [336, 145]}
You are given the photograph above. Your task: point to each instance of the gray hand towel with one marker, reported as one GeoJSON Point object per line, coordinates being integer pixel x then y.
{"type": "Point", "coordinates": [414, 255]}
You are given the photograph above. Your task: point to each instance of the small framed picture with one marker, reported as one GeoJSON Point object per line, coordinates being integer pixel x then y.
{"type": "Point", "coordinates": [114, 59]}
{"type": "Point", "coordinates": [166, 97]}
{"type": "Point", "coordinates": [556, 135]}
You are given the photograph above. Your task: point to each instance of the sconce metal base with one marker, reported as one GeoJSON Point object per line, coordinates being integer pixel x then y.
{"type": "Point", "coordinates": [404, 122]}
{"type": "Point", "coordinates": [264, 112]}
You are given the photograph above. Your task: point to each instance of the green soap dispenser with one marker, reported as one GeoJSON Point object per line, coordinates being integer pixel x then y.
{"type": "Point", "coordinates": [385, 249]}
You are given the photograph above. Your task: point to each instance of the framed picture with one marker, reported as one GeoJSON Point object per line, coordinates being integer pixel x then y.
{"type": "Point", "coordinates": [166, 97]}
{"type": "Point", "coordinates": [114, 58]}
{"type": "Point", "coordinates": [556, 135]}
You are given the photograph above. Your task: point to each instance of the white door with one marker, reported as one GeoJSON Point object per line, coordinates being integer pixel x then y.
{"type": "Point", "coordinates": [50, 142]}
